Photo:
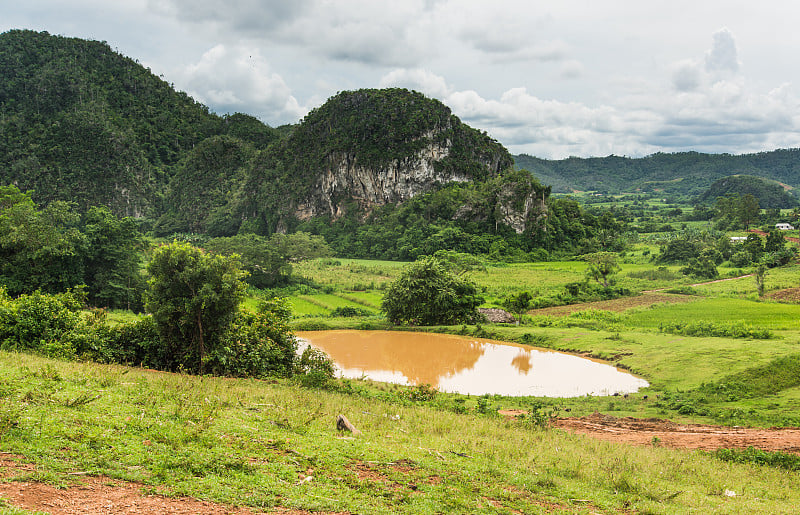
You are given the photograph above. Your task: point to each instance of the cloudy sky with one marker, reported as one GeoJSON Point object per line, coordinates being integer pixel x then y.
{"type": "Point", "coordinates": [550, 78]}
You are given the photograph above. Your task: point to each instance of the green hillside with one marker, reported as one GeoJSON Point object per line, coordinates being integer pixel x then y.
{"type": "Point", "coordinates": [683, 173]}
{"type": "Point", "coordinates": [770, 194]}
{"type": "Point", "coordinates": [83, 123]}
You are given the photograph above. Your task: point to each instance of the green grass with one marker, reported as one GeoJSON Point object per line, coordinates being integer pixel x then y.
{"type": "Point", "coordinates": [769, 315]}
{"type": "Point", "coordinates": [349, 274]}
{"type": "Point", "coordinates": [251, 443]}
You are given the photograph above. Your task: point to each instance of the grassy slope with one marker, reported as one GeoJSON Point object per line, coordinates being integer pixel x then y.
{"type": "Point", "coordinates": [252, 443]}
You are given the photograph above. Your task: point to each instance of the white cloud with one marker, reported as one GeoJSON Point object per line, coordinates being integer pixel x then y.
{"type": "Point", "coordinates": [420, 80]}
{"type": "Point", "coordinates": [238, 79]}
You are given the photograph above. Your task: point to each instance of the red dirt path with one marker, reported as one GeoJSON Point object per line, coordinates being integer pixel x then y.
{"type": "Point", "coordinates": [682, 436]}
{"type": "Point", "coordinates": [102, 496]}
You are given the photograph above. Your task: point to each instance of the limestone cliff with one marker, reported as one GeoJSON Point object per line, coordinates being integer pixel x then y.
{"type": "Point", "coordinates": [373, 147]}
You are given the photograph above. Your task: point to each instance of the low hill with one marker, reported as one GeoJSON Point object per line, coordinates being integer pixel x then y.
{"type": "Point", "coordinates": [770, 194]}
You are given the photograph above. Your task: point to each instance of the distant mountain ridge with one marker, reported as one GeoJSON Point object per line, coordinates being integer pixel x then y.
{"type": "Point", "coordinates": [684, 173]}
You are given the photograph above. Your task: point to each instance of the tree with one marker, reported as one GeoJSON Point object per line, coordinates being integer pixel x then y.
{"type": "Point", "coordinates": [39, 249]}
{"type": "Point", "coordinates": [760, 276]}
{"type": "Point", "coordinates": [775, 241]}
{"type": "Point", "coordinates": [602, 267]}
{"type": "Point", "coordinates": [194, 297]}
{"type": "Point", "coordinates": [748, 210]}
{"type": "Point", "coordinates": [112, 260]}
{"type": "Point", "coordinates": [518, 303]}
{"type": "Point", "coordinates": [428, 293]}
{"type": "Point", "coordinates": [269, 260]}
{"type": "Point", "coordinates": [702, 267]}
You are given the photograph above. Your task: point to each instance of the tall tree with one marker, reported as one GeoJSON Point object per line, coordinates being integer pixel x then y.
{"type": "Point", "coordinates": [193, 296]}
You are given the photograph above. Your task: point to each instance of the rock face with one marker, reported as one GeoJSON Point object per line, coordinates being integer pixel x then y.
{"type": "Point", "coordinates": [368, 148]}
{"type": "Point", "coordinates": [400, 180]}
{"type": "Point", "coordinates": [521, 203]}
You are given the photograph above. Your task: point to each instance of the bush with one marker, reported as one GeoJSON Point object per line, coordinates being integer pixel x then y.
{"type": "Point", "coordinates": [315, 360]}
{"type": "Point", "coordinates": [429, 293]}
{"type": "Point", "coordinates": [40, 322]}
{"type": "Point", "coordinates": [315, 369]}
{"type": "Point", "coordinates": [139, 343]}
{"type": "Point", "coordinates": [731, 330]}
{"type": "Point", "coordinates": [741, 259]}
{"type": "Point", "coordinates": [349, 311]}
{"type": "Point", "coordinates": [256, 344]}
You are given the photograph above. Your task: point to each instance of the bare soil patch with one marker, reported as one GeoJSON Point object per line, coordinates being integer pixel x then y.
{"type": "Point", "coordinates": [681, 436]}
{"type": "Point", "coordinates": [621, 304]}
{"type": "Point", "coordinates": [102, 495]}
{"type": "Point", "coordinates": [787, 238]}
{"type": "Point", "coordinates": [789, 295]}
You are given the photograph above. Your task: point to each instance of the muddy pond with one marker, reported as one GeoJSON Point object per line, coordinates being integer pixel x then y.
{"type": "Point", "coordinates": [460, 364]}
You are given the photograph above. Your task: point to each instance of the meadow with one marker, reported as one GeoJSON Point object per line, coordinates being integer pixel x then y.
{"type": "Point", "coordinates": [273, 445]}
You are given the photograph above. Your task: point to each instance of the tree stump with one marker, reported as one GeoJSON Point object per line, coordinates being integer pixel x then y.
{"type": "Point", "coordinates": [342, 424]}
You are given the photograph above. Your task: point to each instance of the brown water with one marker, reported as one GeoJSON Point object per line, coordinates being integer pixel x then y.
{"type": "Point", "coordinates": [467, 365]}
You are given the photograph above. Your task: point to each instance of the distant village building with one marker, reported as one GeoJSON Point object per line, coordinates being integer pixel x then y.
{"type": "Point", "coordinates": [783, 226]}
{"type": "Point", "coordinates": [738, 239]}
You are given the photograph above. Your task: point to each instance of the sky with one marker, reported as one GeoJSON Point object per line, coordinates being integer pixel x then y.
{"type": "Point", "coordinates": [548, 78]}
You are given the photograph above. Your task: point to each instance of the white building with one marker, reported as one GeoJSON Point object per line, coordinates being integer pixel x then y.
{"type": "Point", "coordinates": [783, 226]}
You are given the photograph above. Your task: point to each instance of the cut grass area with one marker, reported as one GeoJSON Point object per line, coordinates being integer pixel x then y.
{"type": "Point", "coordinates": [301, 306]}
{"type": "Point", "coordinates": [254, 443]}
{"type": "Point", "coordinates": [349, 274]}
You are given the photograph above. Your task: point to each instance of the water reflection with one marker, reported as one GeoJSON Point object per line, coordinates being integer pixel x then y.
{"type": "Point", "coordinates": [468, 365]}
{"type": "Point", "coordinates": [522, 362]}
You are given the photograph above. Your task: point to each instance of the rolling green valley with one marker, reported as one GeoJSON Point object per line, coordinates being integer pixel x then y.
{"type": "Point", "coordinates": [166, 272]}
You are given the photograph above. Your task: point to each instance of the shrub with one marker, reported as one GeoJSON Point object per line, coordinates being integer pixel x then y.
{"type": "Point", "coordinates": [40, 322]}
{"type": "Point", "coordinates": [722, 330]}
{"type": "Point", "coordinates": [315, 360]}
{"type": "Point", "coordinates": [256, 344]}
{"type": "Point", "coordinates": [428, 293]}
{"type": "Point", "coordinates": [349, 311]}
{"type": "Point", "coordinates": [314, 368]}
{"type": "Point", "coordinates": [139, 343]}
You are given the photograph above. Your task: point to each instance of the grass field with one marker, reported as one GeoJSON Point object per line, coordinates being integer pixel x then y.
{"type": "Point", "coordinates": [254, 443]}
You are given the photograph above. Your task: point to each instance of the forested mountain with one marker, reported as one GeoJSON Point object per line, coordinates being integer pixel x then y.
{"type": "Point", "coordinates": [684, 173]}
{"type": "Point", "coordinates": [379, 172]}
{"type": "Point", "coordinates": [360, 150]}
{"type": "Point", "coordinates": [80, 122]}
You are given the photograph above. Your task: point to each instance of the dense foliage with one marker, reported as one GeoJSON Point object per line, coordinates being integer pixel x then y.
{"type": "Point", "coordinates": [769, 194]}
{"type": "Point", "coordinates": [268, 261]}
{"type": "Point", "coordinates": [54, 249]}
{"type": "Point", "coordinates": [193, 297]}
{"type": "Point", "coordinates": [372, 128]}
{"type": "Point", "coordinates": [429, 293]}
{"type": "Point", "coordinates": [83, 123]}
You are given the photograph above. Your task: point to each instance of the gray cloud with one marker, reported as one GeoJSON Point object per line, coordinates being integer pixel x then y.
{"type": "Point", "coordinates": [551, 78]}
{"type": "Point", "coordinates": [686, 76]}
{"type": "Point", "coordinates": [252, 16]}
{"type": "Point", "coordinates": [723, 55]}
